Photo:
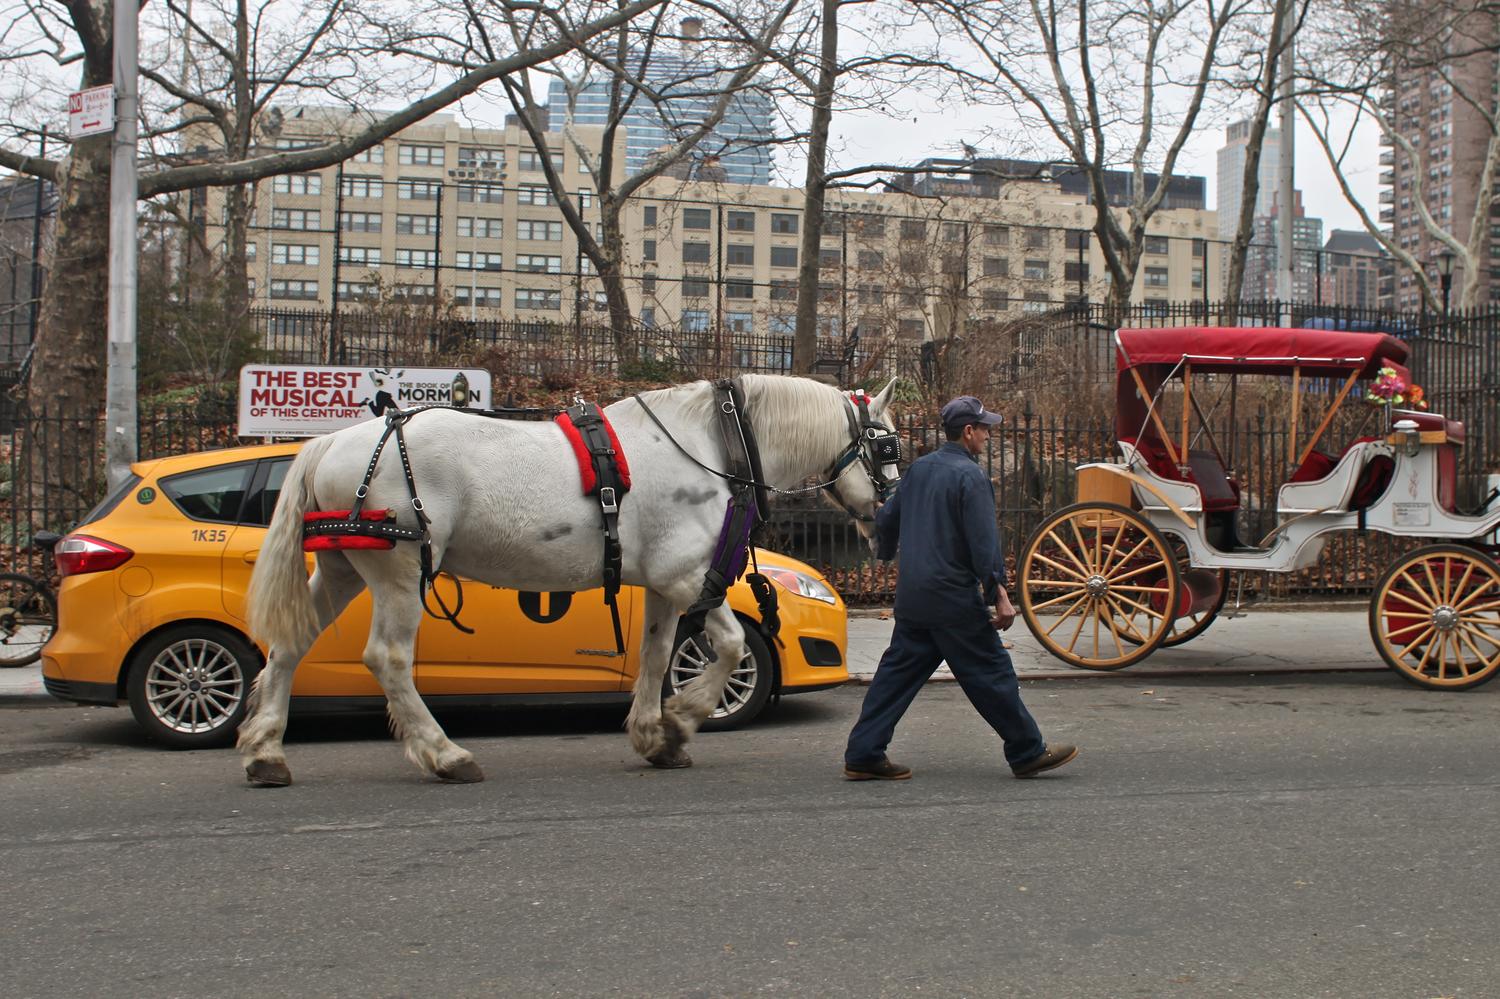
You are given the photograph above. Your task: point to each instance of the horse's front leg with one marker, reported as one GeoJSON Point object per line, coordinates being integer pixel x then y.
{"type": "Point", "coordinates": [702, 694]}
{"type": "Point", "coordinates": [656, 736]}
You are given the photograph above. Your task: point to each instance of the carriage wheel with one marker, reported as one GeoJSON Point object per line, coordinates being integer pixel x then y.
{"type": "Point", "coordinates": [1097, 581]}
{"type": "Point", "coordinates": [1435, 617]}
{"type": "Point", "coordinates": [1190, 626]}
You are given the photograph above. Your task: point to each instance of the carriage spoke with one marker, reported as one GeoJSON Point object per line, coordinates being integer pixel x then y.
{"type": "Point", "coordinates": [1479, 633]}
{"type": "Point", "coordinates": [1075, 591]}
{"type": "Point", "coordinates": [1068, 613]}
{"type": "Point", "coordinates": [1083, 546]}
{"type": "Point", "coordinates": [1069, 552]}
{"type": "Point", "coordinates": [1433, 590]}
{"type": "Point", "coordinates": [1484, 660]}
{"type": "Point", "coordinates": [1482, 591]}
{"type": "Point", "coordinates": [1408, 600]}
{"type": "Point", "coordinates": [1429, 629]}
{"type": "Point", "coordinates": [1426, 655]}
{"type": "Point", "coordinates": [1109, 556]}
{"type": "Point", "coordinates": [1128, 620]}
{"type": "Point", "coordinates": [1159, 563]}
{"type": "Point", "coordinates": [1418, 590]}
{"type": "Point", "coordinates": [1127, 556]}
{"type": "Point", "coordinates": [1115, 632]}
{"type": "Point", "coordinates": [1392, 633]}
{"type": "Point", "coordinates": [1082, 620]}
{"type": "Point", "coordinates": [1148, 611]}
{"type": "Point", "coordinates": [1038, 556]}
{"type": "Point", "coordinates": [1140, 589]}
{"type": "Point", "coordinates": [1468, 571]}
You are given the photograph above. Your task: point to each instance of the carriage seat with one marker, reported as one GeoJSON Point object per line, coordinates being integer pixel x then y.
{"type": "Point", "coordinates": [1351, 480]}
{"type": "Point", "coordinates": [1205, 471]}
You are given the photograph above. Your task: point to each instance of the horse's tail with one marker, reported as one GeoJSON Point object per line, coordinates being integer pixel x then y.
{"type": "Point", "coordinates": [282, 614]}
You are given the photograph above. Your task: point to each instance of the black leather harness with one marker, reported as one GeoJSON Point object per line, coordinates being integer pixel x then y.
{"type": "Point", "coordinates": [610, 487]}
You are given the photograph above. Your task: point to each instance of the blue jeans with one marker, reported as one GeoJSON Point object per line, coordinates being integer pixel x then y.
{"type": "Point", "coordinates": [983, 668]}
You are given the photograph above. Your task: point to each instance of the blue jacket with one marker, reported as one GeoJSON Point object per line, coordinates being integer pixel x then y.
{"type": "Point", "coordinates": [943, 519]}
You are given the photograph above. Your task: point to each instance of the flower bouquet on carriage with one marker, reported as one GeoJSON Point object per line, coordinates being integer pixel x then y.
{"type": "Point", "coordinates": [1390, 389]}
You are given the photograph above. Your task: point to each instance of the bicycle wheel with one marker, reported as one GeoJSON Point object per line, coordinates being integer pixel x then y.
{"type": "Point", "coordinates": [28, 617]}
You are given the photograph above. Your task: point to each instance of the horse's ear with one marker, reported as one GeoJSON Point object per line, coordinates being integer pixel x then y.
{"type": "Point", "coordinates": [883, 398]}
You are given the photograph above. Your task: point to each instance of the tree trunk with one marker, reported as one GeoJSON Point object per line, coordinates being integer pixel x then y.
{"type": "Point", "coordinates": [805, 344]}
{"type": "Point", "coordinates": [612, 276]}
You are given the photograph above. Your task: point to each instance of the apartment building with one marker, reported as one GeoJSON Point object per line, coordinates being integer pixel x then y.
{"type": "Point", "coordinates": [1434, 110]}
{"type": "Point", "coordinates": [445, 212]}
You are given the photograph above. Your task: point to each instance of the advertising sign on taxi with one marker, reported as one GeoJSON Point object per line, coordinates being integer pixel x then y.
{"type": "Point", "coordinates": [289, 400]}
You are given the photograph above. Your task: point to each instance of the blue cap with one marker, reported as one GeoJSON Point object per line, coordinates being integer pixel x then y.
{"type": "Point", "coordinates": [966, 409]}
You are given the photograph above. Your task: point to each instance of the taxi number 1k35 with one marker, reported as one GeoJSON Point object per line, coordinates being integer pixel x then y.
{"type": "Point", "coordinates": [210, 534]}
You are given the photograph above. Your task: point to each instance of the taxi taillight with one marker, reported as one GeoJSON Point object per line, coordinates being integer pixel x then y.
{"type": "Point", "coordinates": [79, 553]}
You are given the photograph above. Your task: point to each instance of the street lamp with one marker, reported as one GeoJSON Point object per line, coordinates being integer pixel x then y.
{"type": "Point", "coordinates": [1445, 275]}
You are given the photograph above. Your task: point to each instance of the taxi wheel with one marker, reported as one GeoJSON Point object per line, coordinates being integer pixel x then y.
{"type": "Point", "coordinates": [749, 687]}
{"type": "Point", "coordinates": [189, 685]}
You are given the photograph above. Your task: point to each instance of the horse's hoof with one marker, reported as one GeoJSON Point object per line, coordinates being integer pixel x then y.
{"type": "Point", "coordinates": [675, 760]}
{"type": "Point", "coordinates": [467, 772]}
{"type": "Point", "coordinates": [266, 774]}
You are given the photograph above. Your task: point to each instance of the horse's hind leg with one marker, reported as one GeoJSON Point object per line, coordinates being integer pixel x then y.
{"type": "Point", "coordinates": [388, 655]}
{"type": "Point", "coordinates": [703, 693]}
{"type": "Point", "coordinates": [333, 586]}
{"type": "Point", "coordinates": [656, 736]}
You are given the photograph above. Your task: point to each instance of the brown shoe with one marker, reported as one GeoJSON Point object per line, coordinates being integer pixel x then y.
{"type": "Point", "coordinates": [1052, 758]}
{"type": "Point", "coordinates": [883, 769]}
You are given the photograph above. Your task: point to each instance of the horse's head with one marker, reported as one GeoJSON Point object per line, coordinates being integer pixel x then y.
{"type": "Point", "coordinates": [865, 473]}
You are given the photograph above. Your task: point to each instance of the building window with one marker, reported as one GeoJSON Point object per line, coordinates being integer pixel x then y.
{"type": "Point", "coordinates": [1073, 271]}
{"type": "Point", "coordinates": [648, 317]}
{"type": "Point", "coordinates": [739, 289]}
{"type": "Point", "coordinates": [484, 194]}
{"type": "Point", "coordinates": [782, 325]}
{"type": "Point", "coordinates": [414, 292]}
{"type": "Point", "coordinates": [783, 256]}
{"type": "Point", "coordinates": [871, 227]}
{"type": "Point", "coordinates": [996, 267]}
{"type": "Point", "coordinates": [297, 183]}
{"type": "Point", "coordinates": [375, 154]}
{"type": "Point", "coordinates": [469, 261]}
{"type": "Point", "coordinates": [695, 320]}
{"type": "Point", "coordinates": [363, 187]}
{"type": "Point", "coordinates": [871, 294]}
{"type": "Point", "coordinates": [534, 194]}
{"type": "Point", "coordinates": [871, 260]}
{"type": "Point", "coordinates": [695, 253]}
{"type": "Point", "coordinates": [418, 190]}
{"type": "Point", "coordinates": [834, 224]}
{"type": "Point", "coordinates": [1197, 277]}
{"type": "Point", "coordinates": [416, 225]}
{"type": "Point", "coordinates": [911, 329]}
{"type": "Point", "coordinates": [830, 257]}
{"type": "Point", "coordinates": [417, 259]}
{"type": "Point", "coordinates": [356, 291]}
{"type": "Point", "coordinates": [913, 229]}
{"type": "Point", "coordinates": [1156, 277]}
{"type": "Point", "coordinates": [550, 232]}
{"type": "Point", "coordinates": [648, 284]}
{"type": "Point", "coordinates": [301, 254]}
{"type": "Point", "coordinates": [1157, 244]}
{"type": "Point", "coordinates": [1036, 270]}
{"type": "Point", "coordinates": [360, 221]}
{"type": "Point", "coordinates": [1076, 239]}
{"type": "Point", "coordinates": [585, 198]}
{"type": "Point", "coordinates": [783, 291]}
{"type": "Point", "coordinates": [295, 218]}
{"type": "Point", "coordinates": [478, 228]}
{"type": "Point", "coordinates": [696, 218]}
{"type": "Point", "coordinates": [953, 232]}
{"type": "Point", "coordinates": [784, 223]}
{"type": "Point", "coordinates": [738, 322]}
{"type": "Point", "coordinates": [1200, 248]}
{"type": "Point", "coordinates": [695, 287]}
{"type": "Point", "coordinates": [538, 298]}
{"type": "Point", "coordinates": [361, 256]}
{"type": "Point", "coordinates": [419, 155]}
{"type": "Point", "coordinates": [741, 254]}
{"type": "Point", "coordinates": [306, 291]}
{"type": "Point", "coordinates": [1036, 239]}
{"type": "Point", "coordinates": [475, 157]}
{"type": "Point", "coordinates": [1035, 302]}
{"type": "Point", "coordinates": [648, 215]}
{"type": "Point", "coordinates": [538, 263]}
{"type": "Point", "coordinates": [489, 298]}
{"type": "Point", "coordinates": [530, 159]}
{"type": "Point", "coordinates": [995, 301]}
{"type": "Point", "coordinates": [911, 298]}
{"type": "Point", "coordinates": [740, 221]}
{"type": "Point", "coordinates": [648, 249]}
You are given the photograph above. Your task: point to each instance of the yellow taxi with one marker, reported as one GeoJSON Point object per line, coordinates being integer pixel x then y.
{"type": "Point", "coordinates": [151, 610]}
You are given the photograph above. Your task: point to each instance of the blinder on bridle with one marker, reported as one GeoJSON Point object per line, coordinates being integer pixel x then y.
{"type": "Point", "coordinates": [875, 446]}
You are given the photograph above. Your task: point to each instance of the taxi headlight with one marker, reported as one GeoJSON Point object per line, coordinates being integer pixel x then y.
{"type": "Point", "coordinates": [803, 584]}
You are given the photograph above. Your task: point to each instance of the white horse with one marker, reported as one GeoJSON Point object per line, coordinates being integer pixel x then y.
{"type": "Point", "coordinates": [507, 508]}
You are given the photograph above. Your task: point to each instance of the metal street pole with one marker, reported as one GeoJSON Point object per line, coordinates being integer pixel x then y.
{"type": "Point", "coordinates": [1285, 285]}
{"type": "Point", "coordinates": [119, 392]}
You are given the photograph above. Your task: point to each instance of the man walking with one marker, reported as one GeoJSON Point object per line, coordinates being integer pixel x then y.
{"type": "Point", "coordinates": [952, 576]}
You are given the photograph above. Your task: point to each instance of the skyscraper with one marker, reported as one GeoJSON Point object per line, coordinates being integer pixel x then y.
{"type": "Point", "coordinates": [1230, 182]}
{"type": "Point", "coordinates": [690, 85]}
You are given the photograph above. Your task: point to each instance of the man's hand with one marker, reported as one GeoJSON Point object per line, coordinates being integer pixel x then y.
{"type": "Point", "coordinates": [1005, 612]}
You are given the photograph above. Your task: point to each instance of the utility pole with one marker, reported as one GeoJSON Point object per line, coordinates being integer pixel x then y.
{"type": "Point", "coordinates": [1286, 196]}
{"type": "Point", "coordinates": [119, 392]}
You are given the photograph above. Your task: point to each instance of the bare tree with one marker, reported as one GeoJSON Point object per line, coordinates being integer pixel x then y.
{"type": "Point", "coordinates": [70, 343]}
{"type": "Point", "coordinates": [1117, 83]}
{"type": "Point", "coordinates": [1444, 54]}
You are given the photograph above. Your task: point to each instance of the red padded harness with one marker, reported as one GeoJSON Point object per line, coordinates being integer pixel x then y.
{"type": "Point", "coordinates": [585, 461]}
{"type": "Point", "coordinates": [337, 542]}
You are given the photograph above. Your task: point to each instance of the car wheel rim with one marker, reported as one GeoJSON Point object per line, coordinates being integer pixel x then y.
{"type": "Point", "coordinates": [194, 686]}
{"type": "Point", "coordinates": [690, 661]}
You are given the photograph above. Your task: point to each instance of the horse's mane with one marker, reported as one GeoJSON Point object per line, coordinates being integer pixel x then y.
{"type": "Point", "coordinates": [791, 412]}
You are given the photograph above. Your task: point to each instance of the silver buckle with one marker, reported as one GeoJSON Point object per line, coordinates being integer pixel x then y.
{"type": "Point", "coordinates": [607, 500]}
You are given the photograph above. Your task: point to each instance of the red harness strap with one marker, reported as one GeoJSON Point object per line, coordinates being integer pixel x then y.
{"type": "Point", "coordinates": [313, 542]}
{"type": "Point", "coordinates": [585, 461]}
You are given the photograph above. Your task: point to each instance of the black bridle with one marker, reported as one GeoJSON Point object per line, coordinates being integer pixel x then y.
{"type": "Point", "coordinates": [874, 445]}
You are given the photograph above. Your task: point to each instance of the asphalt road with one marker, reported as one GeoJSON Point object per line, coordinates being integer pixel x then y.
{"type": "Point", "coordinates": [1296, 835]}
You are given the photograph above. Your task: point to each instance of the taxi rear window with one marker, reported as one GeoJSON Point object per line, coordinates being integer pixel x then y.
{"type": "Point", "coordinates": [212, 494]}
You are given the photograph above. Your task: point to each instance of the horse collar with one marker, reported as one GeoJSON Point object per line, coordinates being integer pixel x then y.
{"type": "Point", "coordinates": [739, 441]}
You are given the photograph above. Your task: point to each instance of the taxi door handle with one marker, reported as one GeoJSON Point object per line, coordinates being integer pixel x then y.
{"type": "Point", "coordinates": [251, 556]}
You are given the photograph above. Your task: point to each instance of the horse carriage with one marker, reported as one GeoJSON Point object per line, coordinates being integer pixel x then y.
{"type": "Point", "coordinates": [1144, 558]}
